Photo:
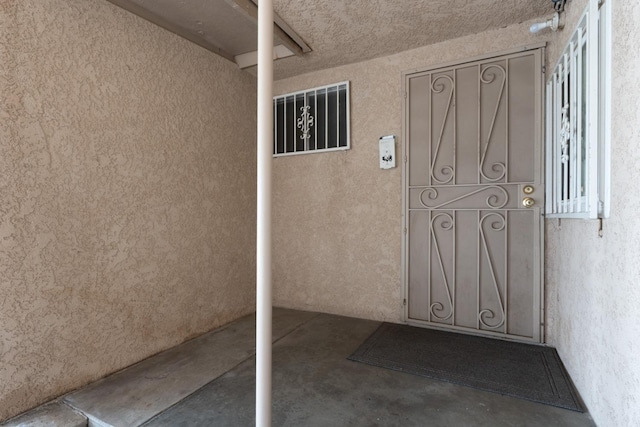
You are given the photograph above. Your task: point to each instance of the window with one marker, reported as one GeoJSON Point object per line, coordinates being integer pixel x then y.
{"type": "Point", "coordinates": [311, 121]}
{"type": "Point", "coordinates": [578, 120]}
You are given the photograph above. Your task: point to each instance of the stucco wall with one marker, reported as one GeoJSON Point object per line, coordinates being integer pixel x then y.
{"type": "Point", "coordinates": [126, 194]}
{"type": "Point", "coordinates": [338, 216]}
{"type": "Point", "coordinates": [593, 283]}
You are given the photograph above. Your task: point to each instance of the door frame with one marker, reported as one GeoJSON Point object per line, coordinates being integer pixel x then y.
{"type": "Point", "coordinates": [406, 75]}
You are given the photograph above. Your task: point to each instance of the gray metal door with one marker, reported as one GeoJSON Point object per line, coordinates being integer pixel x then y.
{"type": "Point", "coordinates": [474, 197]}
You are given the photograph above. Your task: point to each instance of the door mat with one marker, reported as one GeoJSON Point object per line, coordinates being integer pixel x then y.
{"type": "Point", "coordinates": [519, 370]}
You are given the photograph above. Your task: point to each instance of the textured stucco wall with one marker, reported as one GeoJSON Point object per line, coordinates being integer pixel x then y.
{"type": "Point", "coordinates": [338, 216]}
{"type": "Point", "coordinates": [126, 194]}
{"type": "Point", "coordinates": [593, 292]}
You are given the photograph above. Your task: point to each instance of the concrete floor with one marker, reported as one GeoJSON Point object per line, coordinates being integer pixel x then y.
{"type": "Point", "coordinates": [210, 381]}
{"type": "Point", "coordinates": [314, 385]}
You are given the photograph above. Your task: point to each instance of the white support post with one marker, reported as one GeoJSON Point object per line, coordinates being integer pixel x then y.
{"type": "Point", "coordinates": [263, 238]}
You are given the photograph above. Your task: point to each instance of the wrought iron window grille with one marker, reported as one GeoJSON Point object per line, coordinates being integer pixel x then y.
{"type": "Point", "coordinates": [578, 121]}
{"type": "Point", "coordinates": [311, 121]}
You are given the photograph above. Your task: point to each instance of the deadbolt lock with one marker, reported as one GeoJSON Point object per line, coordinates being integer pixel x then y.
{"type": "Point", "coordinates": [528, 189]}
{"type": "Point", "coordinates": [528, 202]}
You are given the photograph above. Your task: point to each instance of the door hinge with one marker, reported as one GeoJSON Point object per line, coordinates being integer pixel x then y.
{"type": "Point", "coordinates": [405, 159]}
{"type": "Point", "coordinates": [404, 301]}
{"type": "Point", "coordinates": [544, 69]}
{"type": "Point", "coordinates": [404, 230]}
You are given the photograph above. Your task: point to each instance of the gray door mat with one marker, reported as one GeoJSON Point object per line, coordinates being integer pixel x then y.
{"type": "Point", "coordinates": [525, 371]}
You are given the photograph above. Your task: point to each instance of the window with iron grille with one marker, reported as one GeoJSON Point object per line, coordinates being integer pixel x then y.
{"type": "Point", "coordinates": [578, 121]}
{"type": "Point", "coordinates": [311, 121]}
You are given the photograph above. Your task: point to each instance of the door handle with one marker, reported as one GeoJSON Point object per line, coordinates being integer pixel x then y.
{"type": "Point", "coordinates": [528, 202]}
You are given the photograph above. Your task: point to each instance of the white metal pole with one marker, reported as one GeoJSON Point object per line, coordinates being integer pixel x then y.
{"type": "Point", "coordinates": [263, 240]}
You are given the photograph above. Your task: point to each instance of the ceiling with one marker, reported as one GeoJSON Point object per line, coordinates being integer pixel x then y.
{"type": "Point", "coordinates": [330, 33]}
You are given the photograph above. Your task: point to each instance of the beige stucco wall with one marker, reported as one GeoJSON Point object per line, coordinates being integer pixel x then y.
{"type": "Point", "coordinates": [126, 194]}
{"type": "Point", "coordinates": [593, 283]}
{"type": "Point", "coordinates": [338, 216]}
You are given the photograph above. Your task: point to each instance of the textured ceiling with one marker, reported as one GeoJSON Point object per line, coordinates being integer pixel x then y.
{"type": "Point", "coordinates": [339, 31]}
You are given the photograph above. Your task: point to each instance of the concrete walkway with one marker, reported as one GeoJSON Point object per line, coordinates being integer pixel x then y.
{"type": "Point", "coordinates": [210, 381]}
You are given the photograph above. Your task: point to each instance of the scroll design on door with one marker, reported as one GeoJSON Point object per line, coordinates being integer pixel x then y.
{"type": "Point", "coordinates": [446, 173]}
{"type": "Point", "coordinates": [489, 76]}
{"type": "Point", "coordinates": [488, 317]}
{"type": "Point", "coordinates": [496, 200]}
{"type": "Point", "coordinates": [437, 309]}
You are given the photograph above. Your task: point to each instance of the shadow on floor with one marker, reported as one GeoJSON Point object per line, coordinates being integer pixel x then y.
{"type": "Point", "coordinates": [315, 385]}
{"type": "Point", "coordinates": [210, 381]}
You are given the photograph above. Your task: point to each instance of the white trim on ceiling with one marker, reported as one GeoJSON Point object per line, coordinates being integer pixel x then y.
{"type": "Point", "coordinates": [250, 59]}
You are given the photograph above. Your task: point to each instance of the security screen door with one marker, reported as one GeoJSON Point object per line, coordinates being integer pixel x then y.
{"type": "Point", "coordinates": [474, 197]}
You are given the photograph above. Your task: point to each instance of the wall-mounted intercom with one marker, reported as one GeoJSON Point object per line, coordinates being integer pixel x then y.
{"type": "Point", "coordinates": [387, 153]}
